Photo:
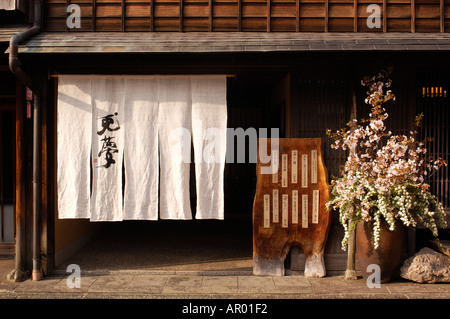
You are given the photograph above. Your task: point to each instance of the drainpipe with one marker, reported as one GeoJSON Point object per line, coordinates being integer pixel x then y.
{"type": "Point", "coordinates": [14, 65]}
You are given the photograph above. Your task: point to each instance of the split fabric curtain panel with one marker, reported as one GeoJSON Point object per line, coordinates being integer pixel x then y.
{"type": "Point", "coordinates": [124, 146]}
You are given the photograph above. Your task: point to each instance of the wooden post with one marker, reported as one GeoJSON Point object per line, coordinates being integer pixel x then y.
{"type": "Point", "coordinates": [19, 273]}
{"type": "Point", "coordinates": [350, 272]}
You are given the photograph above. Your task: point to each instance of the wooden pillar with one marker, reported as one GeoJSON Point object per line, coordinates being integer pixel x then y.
{"type": "Point", "coordinates": [19, 273]}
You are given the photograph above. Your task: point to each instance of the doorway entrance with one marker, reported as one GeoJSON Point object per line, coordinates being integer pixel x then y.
{"type": "Point", "coordinates": [253, 100]}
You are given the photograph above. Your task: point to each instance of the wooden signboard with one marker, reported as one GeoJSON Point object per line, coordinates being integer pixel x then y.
{"type": "Point", "coordinates": [289, 207]}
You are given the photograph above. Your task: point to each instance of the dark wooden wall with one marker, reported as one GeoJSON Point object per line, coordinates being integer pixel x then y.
{"type": "Point", "coordinates": [433, 102]}
{"type": "Point", "coordinates": [250, 15]}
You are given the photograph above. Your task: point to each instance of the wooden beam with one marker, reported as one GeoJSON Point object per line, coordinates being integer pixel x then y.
{"type": "Point", "coordinates": [413, 16]}
{"type": "Point", "coordinates": [442, 16]}
{"type": "Point", "coordinates": [384, 16]}
{"type": "Point", "coordinates": [326, 15]}
{"type": "Point", "coordinates": [268, 15]}
{"type": "Point", "coordinates": [297, 16]}
{"type": "Point", "coordinates": [355, 16]}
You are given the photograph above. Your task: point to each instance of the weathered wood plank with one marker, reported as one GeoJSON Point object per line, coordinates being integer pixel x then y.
{"type": "Point", "coordinates": [232, 15]}
{"type": "Point", "coordinates": [297, 225]}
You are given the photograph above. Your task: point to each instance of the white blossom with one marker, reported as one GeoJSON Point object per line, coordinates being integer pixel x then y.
{"type": "Point", "coordinates": [383, 179]}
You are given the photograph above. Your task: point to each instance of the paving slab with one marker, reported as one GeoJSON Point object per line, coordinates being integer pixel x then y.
{"type": "Point", "coordinates": [182, 285]}
{"type": "Point", "coordinates": [152, 284]}
{"type": "Point", "coordinates": [111, 283]}
{"type": "Point", "coordinates": [169, 285]}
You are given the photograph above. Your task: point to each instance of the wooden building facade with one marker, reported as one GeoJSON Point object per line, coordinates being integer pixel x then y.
{"type": "Point", "coordinates": [251, 15]}
{"type": "Point", "coordinates": [295, 65]}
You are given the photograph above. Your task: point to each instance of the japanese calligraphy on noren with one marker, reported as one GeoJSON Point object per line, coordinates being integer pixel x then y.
{"type": "Point", "coordinates": [107, 121]}
{"type": "Point", "coordinates": [109, 146]}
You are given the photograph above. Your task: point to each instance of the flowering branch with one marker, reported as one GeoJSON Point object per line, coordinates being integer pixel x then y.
{"type": "Point", "coordinates": [384, 175]}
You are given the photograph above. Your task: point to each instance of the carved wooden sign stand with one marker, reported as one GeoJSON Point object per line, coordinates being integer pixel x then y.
{"type": "Point", "coordinates": [289, 207]}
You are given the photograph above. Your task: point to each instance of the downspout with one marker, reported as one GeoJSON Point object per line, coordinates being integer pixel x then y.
{"type": "Point", "coordinates": [14, 65]}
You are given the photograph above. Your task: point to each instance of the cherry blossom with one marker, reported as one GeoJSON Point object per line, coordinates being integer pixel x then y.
{"type": "Point", "coordinates": [384, 175]}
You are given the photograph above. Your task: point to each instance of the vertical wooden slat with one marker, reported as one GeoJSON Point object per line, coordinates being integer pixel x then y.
{"type": "Point", "coordinates": [152, 15]}
{"type": "Point", "coordinates": [239, 15]}
{"type": "Point", "coordinates": [413, 16]}
{"type": "Point", "coordinates": [384, 16]}
{"type": "Point", "coordinates": [297, 16]}
{"type": "Point", "coordinates": [67, 15]}
{"type": "Point", "coordinates": [94, 14]}
{"type": "Point", "coordinates": [210, 3]}
{"type": "Point", "coordinates": [181, 15]}
{"type": "Point", "coordinates": [435, 146]}
{"type": "Point", "coordinates": [446, 199]}
{"type": "Point", "coordinates": [439, 133]}
{"type": "Point", "coordinates": [355, 16]}
{"type": "Point", "coordinates": [123, 15]}
{"type": "Point", "coordinates": [442, 18]}
{"type": "Point", "coordinates": [326, 15]}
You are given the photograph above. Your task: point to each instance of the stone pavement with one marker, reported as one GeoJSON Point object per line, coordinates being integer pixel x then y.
{"type": "Point", "coordinates": [143, 284]}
